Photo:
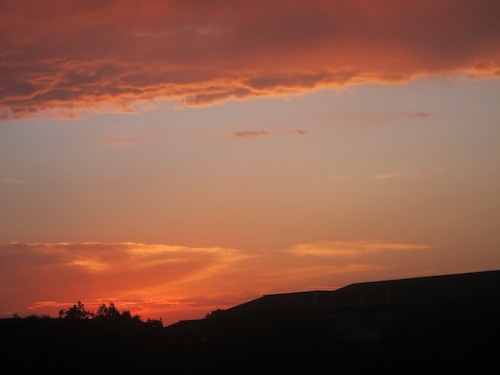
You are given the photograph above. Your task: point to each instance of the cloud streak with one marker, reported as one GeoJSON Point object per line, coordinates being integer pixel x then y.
{"type": "Point", "coordinates": [299, 132]}
{"type": "Point", "coordinates": [394, 175]}
{"type": "Point", "coordinates": [110, 55]}
{"type": "Point", "coordinates": [10, 181]}
{"type": "Point", "coordinates": [249, 134]}
{"type": "Point", "coordinates": [97, 257]}
{"type": "Point", "coordinates": [174, 281]}
{"type": "Point", "coordinates": [353, 248]}
{"type": "Point", "coordinates": [50, 274]}
{"type": "Point", "coordinates": [253, 134]}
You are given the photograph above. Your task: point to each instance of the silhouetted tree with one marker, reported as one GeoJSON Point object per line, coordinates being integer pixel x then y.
{"type": "Point", "coordinates": [155, 323]}
{"type": "Point", "coordinates": [108, 312]}
{"type": "Point", "coordinates": [76, 312]}
{"type": "Point", "coordinates": [112, 313]}
{"type": "Point", "coordinates": [36, 316]}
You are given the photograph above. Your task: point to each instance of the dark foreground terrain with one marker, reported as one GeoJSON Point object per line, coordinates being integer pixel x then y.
{"type": "Point", "coordinates": [433, 325]}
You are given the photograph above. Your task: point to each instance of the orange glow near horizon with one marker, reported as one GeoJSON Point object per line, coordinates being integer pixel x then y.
{"type": "Point", "coordinates": [196, 280]}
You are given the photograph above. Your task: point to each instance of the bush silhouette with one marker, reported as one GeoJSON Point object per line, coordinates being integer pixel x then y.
{"type": "Point", "coordinates": [76, 312]}
{"type": "Point", "coordinates": [113, 314]}
{"type": "Point", "coordinates": [155, 323]}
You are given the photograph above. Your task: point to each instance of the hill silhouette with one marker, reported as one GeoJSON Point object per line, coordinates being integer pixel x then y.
{"type": "Point", "coordinates": [441, 324]}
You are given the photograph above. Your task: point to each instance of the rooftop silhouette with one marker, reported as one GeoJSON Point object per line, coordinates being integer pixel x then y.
{"type": "Point", "coordinates": [441, 324]}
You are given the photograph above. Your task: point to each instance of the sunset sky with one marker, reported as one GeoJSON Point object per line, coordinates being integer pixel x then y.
{"type": "Point", "coordinates": [175, 157]}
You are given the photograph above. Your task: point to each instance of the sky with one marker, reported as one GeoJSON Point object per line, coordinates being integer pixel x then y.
{"type": "Point", "coordinates": [176, 157]}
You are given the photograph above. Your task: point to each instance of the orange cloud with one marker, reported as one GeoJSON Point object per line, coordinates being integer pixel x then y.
{"type": "Point", "coordinates": [252, 134]}
{"type": "Point", "coordinates": [177, 282]}
{"type": "Point", "coordinates": [246, 134]}
{"type": "Point", "coordinates": [298, 132]}
{"type": "Point", "coordinates": [61, 56]}
{"type": "Point", "coordinates": [45, 275]}
{"type": "Point", "coordinates": [353, 248]}
{"type": "Point", "coordinates": [104, 267]}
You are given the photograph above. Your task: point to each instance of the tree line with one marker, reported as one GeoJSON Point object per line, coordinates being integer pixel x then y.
{"type": "Point", "coordinates": [104, 313]}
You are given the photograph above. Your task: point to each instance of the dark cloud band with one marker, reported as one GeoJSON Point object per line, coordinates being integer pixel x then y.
{"type": "Point", "coordinates": [101, 55]}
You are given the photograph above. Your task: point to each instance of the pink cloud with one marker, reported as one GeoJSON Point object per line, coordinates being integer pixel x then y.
{"type": "Point", "coordinates": [58, 54]}
{"type": "Point", "coordinates": [298, 132]}
{"type": "Point", "coordinates": [252, 134]}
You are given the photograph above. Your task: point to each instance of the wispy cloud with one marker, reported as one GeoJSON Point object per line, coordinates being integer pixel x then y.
{"type": "Point", "coordinates": [253, 134]}
{"type": "Point", "coordinates": [354, 248]}
{"type": "Point", "coordinates": [172, 280]}
{"type": "Point", "coordinates": [115, 258]}
{"type": "Point", "coordinates": [394, 175]}
{"type": "Point", "coordinates": [10, 181]}
{"type": "Point", "coordinates": [247, 134]}
{"type": "Point", "coordinates": [107, 57]}
{"type": "Point", "coordinates": [118, 140]}
{"type": "Point", "coordinates": [421, 114]}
